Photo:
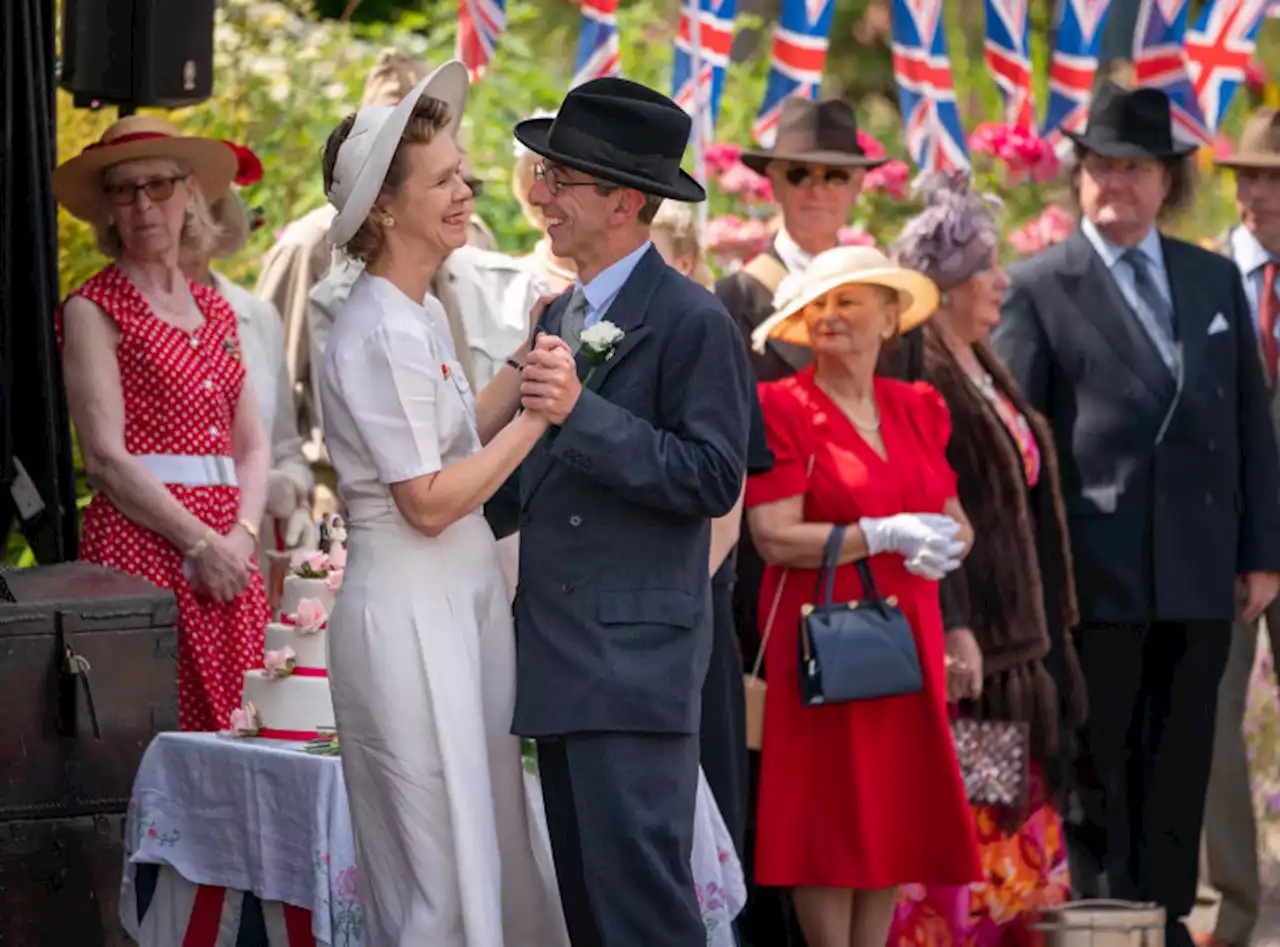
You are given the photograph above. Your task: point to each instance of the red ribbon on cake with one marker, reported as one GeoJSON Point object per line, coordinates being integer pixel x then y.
{"type": "Point", "coordinates": [309, 672]}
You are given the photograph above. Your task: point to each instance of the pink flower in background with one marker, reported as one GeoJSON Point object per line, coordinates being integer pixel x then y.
{"type": "Point", "coordinates": [741, 180]}
{"type": "Point", "coordinates": [893, 177]}
{"type": "Point", "coordinates": [1255, 76]}
{"type": "Point", "coordinates": [310, 616]}
{"type": "Point", "coordinates": [731, 236]}
{"type": "Point", "coordinates": [855, 237]}
{"type": "Point", "coordinates": [1052, 226]}
{"type": "Point", "coordinates": [1222, 148]}
{"type": "Point", "coordinates": [1023, 153]}
{"type": "Point", "coordinates": [721, 157]}
{"type": "Point", "coordinates": [278, 663]}
{"type": "Point", "coordinates": [870, 145]}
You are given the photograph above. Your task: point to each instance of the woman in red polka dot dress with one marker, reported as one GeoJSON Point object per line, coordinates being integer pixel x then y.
{"type": "Point", "coordinates": [167, 425]}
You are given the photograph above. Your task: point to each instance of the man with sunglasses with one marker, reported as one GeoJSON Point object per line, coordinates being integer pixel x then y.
{"type": "Point", "coordinates": [815, 167]}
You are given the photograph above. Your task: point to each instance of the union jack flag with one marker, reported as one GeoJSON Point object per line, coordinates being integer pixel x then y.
{"type": "Point", "coordinates": [1160, 62]}
{"type": "Point", "coordinates": [480, 23]}
{"type": "Point", "coordinates": [1075, 59]}
{"type": "Point", "coordinates": [597, 42]}
{"type": "Point", "coordinates": [926, 89]}
{"type": "Point", "coordinates": [1008, 54]}
{"type": "Point", "coordinates": [715, 37]}
{"type": "Point", "coordinates": [796, 63]}
{"type": "Point", "coordinates": [1218, 52]}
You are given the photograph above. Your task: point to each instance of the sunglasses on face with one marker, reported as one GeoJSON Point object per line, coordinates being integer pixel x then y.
{"type": "Point", "coordinates": [800, 176]}
{"type": "Point", "coordinates": [158, 191]}
{"type": "Point", "coordinates": [476, 185]}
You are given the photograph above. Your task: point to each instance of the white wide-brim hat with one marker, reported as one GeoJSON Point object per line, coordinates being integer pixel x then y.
{"type": "Point", "coordinates": [365, 157]}
{"type": "Point", "coordinates": [844, 266]}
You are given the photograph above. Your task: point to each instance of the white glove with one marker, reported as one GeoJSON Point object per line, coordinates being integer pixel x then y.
{"type": "Point", "coordinates": [911, 533]}
{"type": "Point", "coordinates": [283, 494]}
{"type": "Point", "coordinates": [934, 565]}
{"type": "Point", "coordinates": [300, 530]}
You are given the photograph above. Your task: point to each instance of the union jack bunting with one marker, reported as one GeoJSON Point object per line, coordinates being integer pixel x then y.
{"type": "Point", "coordinates": [926, 88]}
{"type": "Point", "coordinates": [1218, 52]}
{"type": "Point", "coordinates": [1075, 59]}
{"type": "Point", "coordinates": [1008, 55]}
{"type": "Point", "coordinates": [715, 37]}
{"type": "Point", "coordinates": [1160, 62]}
{"type": "Point", "coordinates": [796, 63]}
{"type": "Point", "coordinates": [480, 23]}
{"type": "Point", "coordinates": [597, 42]}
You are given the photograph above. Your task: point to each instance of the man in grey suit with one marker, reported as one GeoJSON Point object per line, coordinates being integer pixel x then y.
{"type": "Point", "coordinates": [648, 386]}
{"type": "Point", "coordinates": [1140, 351]}
{"type": "Point", "coordinates": [1230, 834]}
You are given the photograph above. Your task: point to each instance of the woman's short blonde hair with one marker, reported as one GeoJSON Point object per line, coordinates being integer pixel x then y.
{"type": "Point", "coordinates": [521, 184]}
{"type": "Point", "coordinates": [200, 233]}
{"type": "Point", "coordinates": [680, 224]}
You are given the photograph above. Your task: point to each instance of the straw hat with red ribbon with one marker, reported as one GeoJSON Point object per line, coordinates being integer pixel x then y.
{"type": "Point", "coordinates": [233, 217]}
{"type": "Point", "coordinates": [77, 182]}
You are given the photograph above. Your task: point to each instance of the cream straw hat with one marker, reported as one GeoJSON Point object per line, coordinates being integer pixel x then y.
{"type": "Point", "coordinates": [843, 266]}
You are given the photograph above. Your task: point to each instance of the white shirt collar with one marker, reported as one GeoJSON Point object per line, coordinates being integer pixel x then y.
{"type": "Point", "coordinates": [793, 257]}
{"type": "Point", "coordinates": [1249, 254]}
{"type": "Point", "coordinates": [1148, 246]}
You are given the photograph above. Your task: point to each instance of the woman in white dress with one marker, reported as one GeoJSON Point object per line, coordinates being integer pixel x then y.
{"type": "Point", "coordinates": [421, 646]}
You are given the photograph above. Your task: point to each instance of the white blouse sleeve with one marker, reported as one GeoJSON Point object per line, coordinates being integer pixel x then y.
{"type": "Point", "coordinates": [391, 386]}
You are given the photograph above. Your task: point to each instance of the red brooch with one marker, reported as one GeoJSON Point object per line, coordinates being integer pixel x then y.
{"type": "Point", "coordinates": [444, 370]}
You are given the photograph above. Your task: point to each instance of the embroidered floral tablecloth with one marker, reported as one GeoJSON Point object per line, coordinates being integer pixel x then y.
{"type": "Point", "coordinates": [267, 817]}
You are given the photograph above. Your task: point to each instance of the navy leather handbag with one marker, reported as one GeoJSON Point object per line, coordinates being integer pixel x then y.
{"type": "Point", "coordinates": [857, 650]}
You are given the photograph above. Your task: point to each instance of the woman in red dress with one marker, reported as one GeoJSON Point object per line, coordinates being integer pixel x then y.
{"type": "Point", "coordinates": [167, 425]}
{"type": "Point", "coordinates": [856, 798]}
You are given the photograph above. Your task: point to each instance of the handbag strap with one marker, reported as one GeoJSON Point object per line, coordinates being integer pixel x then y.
{"type": "Point", "coordinates": [777, 599]}
{"type": "Point", "coordinates": [826, 583]}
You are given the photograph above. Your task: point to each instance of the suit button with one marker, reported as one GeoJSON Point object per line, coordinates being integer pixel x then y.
{"type": "Point", "coordinates": [1162, 500]}
{"type": "Point", "coordinates": [1208, 499]}
{"type": "Point", "coordinates": [575, 520]}
{"type": "Point", "coordinates": [567, 588]}
{"type": "Point", "coordinates": [1222, 392]}
{"type": "Point", "coordinates": [1212, 446]}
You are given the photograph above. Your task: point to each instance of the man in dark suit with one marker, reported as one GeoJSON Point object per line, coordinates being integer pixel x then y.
{"type": "Point", "coordinates": [649, 443]}
{"type": "Point", "coordinates": [1140, 350]}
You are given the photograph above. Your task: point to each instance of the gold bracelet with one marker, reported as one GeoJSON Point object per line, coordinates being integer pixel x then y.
{"type": "Point", "coordinates": [201, 545]}
{"type": "Point", "coordinates": [244, 523]}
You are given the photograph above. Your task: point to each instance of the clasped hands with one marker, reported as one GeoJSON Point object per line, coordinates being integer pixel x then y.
{"type": "Point", "coordinates": [224, 566]}
{"type": "Point", "coordinates": [926, 541]}
{"type": "Point", "coordinates": [550, 387]}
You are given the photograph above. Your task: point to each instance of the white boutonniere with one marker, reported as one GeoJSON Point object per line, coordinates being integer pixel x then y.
{"type": "Point", "coordinates": [599, 343]}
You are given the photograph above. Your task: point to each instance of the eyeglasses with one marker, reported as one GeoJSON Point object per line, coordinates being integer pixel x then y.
{"type": "Point", "coordinates": [548, 177]}
{"type": "Point", "coordinates": [476, 185]}
{"type": "Point", "coordinates": [800, 176]}
{"type": "Point", "coordinates": [158, 191]}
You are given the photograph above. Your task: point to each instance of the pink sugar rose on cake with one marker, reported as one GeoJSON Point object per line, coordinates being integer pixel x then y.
{"type": "Point", "coordinates": [278, 663]}
{"type": "Point", "coordinates": [310, 616]}
{"type": "Point", "coordinates": [245, 722]}
{"type": "Point", "coordinates": [334, 580]}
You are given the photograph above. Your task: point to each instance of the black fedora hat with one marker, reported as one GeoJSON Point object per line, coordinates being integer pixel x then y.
{"type": "Point", "coordinates": [1130, 123]}
{"type": "Point", "coordinates": [621, 132]}
{"type": "Point", "coordinates": [815, 133]}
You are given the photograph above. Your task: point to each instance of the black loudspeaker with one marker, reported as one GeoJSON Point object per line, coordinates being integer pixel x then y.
{"type": "Point", "coordinates": [137, 53]}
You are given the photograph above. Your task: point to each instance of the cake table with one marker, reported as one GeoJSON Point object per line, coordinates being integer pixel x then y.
{"type": "Point", "coordinates": [232, 821]}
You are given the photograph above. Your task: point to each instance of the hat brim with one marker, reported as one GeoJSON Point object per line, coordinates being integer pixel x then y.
{"type": "Point", "coordinates": [534, 132]}
{"type": "Point", "coordinates": [233, 219]}
{"type": "Point", "coordinates": [1246, 161]}
{"type": "Point", "coordinates": [1124, 149]}
{"type": "Point", "coordinates": [757, 161]}
{"type": "Point", "coordinates": [787, 323]}
{"type": "Point", "coordinates": [450, 84]}
{"type": "Point", "coordinates": [77, 183]}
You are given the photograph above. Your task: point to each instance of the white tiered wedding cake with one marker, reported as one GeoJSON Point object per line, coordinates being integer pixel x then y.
{"type": "Point", "coordinates": [288, 698]}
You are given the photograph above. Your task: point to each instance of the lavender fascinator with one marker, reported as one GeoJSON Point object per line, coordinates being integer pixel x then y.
{"type": "Point", "coordinates": [952, 238]}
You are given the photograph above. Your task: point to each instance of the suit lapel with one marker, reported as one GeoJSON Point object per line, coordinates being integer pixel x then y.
{"type": "Point", "coordinates": [1195, 303]}
{"type": "Point", "coordinates": [1099, 300]}
{"type": "Point", "coordinates": [539, 460]}
{"type": "Point", "coordinates": [627, 312]}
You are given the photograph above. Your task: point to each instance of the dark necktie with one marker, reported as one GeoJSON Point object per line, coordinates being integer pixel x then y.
{"type": "Point", "coordinates": [1149, 294]}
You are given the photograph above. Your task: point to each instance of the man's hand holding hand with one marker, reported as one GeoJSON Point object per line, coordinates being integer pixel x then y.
{"type": "Point", "coordinates": [550, 385]}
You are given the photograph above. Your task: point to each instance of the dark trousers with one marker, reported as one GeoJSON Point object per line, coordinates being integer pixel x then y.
{"type": "Point", "coordinates": [620, 811]}
{"type": "Point", "coordinates": [1147, 749]}
{"type": "Point", "coordinates": [723, 737]}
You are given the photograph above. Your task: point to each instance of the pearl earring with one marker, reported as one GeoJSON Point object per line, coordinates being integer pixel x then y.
{"type": "Point", "coordinates": [388, 221]}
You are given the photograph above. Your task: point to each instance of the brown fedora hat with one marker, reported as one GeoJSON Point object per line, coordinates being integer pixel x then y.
{"type": "Point", "coordinates": [77, 182]}
{"type": "Point", "coordinates": [815, 133]}
{"type": "Point", "coordinates": [1259, 142]}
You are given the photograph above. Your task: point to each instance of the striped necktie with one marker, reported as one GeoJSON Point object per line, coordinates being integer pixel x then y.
{"type": "Point", "coordinates": [574, 320]}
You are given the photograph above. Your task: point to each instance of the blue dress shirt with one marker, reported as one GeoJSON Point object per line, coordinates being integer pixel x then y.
{"type": "Point", "coordinates": [604, 289]}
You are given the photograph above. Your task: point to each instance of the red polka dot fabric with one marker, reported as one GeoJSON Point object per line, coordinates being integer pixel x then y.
{"type": "Point", "coordinates": [180, 394]}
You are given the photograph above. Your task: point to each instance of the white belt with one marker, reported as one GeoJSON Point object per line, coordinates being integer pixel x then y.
{"type": "Point", "coordinates": [191, 470]}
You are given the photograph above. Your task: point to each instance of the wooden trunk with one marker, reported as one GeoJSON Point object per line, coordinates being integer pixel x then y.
{"type": "Point", "coordinates": [64, 782]}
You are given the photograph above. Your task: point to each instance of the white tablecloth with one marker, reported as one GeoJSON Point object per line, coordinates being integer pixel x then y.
{"type": "Point", "coordinates": [267, 817]}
